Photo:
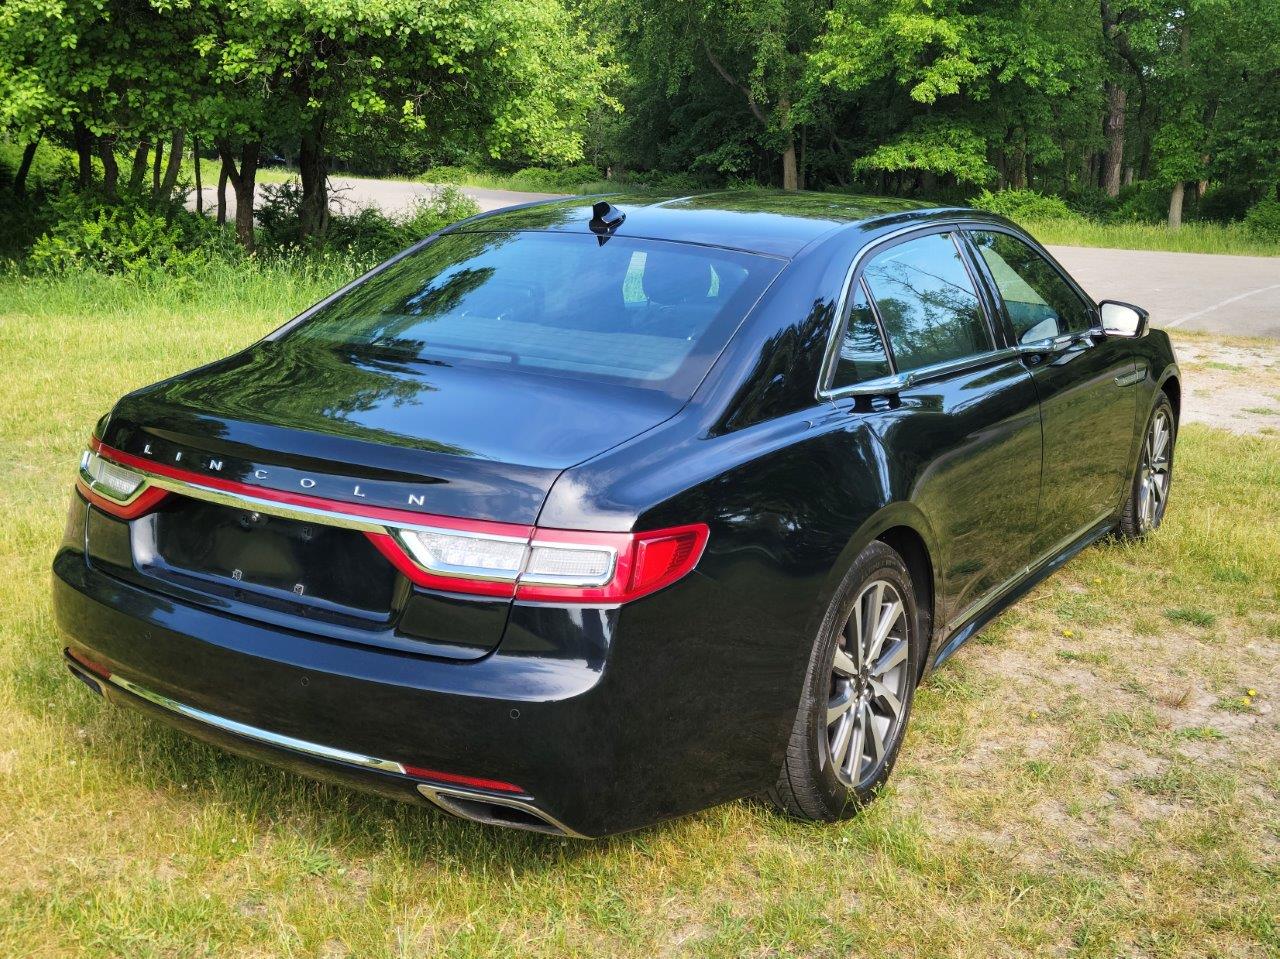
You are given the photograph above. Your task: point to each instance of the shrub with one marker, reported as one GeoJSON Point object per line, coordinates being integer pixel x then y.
{"type": "Point", "coordinates": [1092, 203]}
{"type": "Point", "coordinates": [547, 180]}
{"type": "Point", "coordinates": [1263, 219]}
{"type": "Point", "coordinates": [1145, 202]}
{"type": "Point", "coordinates": [366, 234]}
{"type": "Point", "coordinates": [124, 235]}
{"type": "Point", "coordinates": [1023, 205]}
{"type": "Point", "coordinates": [1225, 204]}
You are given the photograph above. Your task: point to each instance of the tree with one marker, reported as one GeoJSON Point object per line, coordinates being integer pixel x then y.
{"type": "Point", "coordinates": [756, 50]}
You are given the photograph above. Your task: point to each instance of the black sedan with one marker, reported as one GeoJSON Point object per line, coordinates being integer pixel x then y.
{"type": "Point", "coordinates": [575, 517]}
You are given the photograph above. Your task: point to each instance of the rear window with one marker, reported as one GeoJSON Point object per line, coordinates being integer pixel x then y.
{"type": "Point", "coordinates": [646, 313]}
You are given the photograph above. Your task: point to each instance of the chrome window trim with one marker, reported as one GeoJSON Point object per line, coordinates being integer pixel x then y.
{"type": "Point", "coordinates": [898, 381]}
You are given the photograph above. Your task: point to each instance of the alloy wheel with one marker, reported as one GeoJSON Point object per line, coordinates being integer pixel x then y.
{"type": "Point", "coordinates": [1154, 475]}
{"type": "Point", "coordinates": [868, 685]}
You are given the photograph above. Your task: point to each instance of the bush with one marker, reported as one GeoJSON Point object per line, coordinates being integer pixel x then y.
{"type": "Point", "coordinates": [1022, 205]}
{"type": "Point", "coordinates": [1263, 220]}
{"type": "Point", "coordinates": [546, 180]}
{"type": "Point", "coordinates": [366, 234]}
{"type": "Point", "coordinates": [1092, 203]}
{"type": "Point", "coordinates": [1225, 204]}
{"type": "Point", "coordinates": [1144, 202]}
{"type": "Point", "coordinates": [124, 235]}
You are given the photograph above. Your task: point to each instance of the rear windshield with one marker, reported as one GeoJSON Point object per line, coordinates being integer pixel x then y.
{"type": "Point", "coordinates": [645, 313]}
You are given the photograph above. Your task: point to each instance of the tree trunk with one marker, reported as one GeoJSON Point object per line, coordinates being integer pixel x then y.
{"type": "Point", "coordinates": [222, 194]}
{"type": "Point", "coordinates": [804, 148]}
{"type": "Point", "coordinates": [170, 182]}
{"type": "Point", "coordinates": [195, 156]}
{"type": "Point", "coordinates": [1128, 176]}
{"type": "Point", "coordinates": [313, 211]}
{"type": "Point", "coordinates": [110, 169]}
{"type": "Point", "coordinates": [24, 167]}
{"type": "Point", "coordinates": [790, 175]}
{"type": "Point", "coordinates": [1115, 139]}
{"type": "Point", "coordinates": [139, 168]}
{"type": "Point", "coordinates": [1175, 205]}
{"type": "Point", "coordinates": [243, 180]}
{"type": "Point", "coordinates": [83, 140]}
{"type": "Point", "coordinates": [155, 167]}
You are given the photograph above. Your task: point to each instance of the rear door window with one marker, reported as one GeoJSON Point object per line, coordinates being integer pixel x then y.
{"type": "Point", "coordinates": [927, 302]}
{"type": "Point", "coordinates": [1039, 302]}
{"type": "Point", "coordinates": [862, 353]}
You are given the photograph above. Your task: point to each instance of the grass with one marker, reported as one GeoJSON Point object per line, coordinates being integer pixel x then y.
{"type": "Point", "coordinates": [1114, 792]}
{"type": "Point", "coordinates": [1229, 238]}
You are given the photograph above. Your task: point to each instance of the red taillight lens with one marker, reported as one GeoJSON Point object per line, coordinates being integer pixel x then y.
{"type": "Point", "coordinates": [568, 566]}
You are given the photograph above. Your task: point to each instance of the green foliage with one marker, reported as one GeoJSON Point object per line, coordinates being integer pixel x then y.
{"type": "Point", "coordinates": [1023, 205]}
{"type": "Point", "coordinates": [1143, 202]}
{"type": "Point", "coordinates": [1226, 203]}
{"type": "Point", "coordinates": [1263, 220]}
{"type": "Point", "coordinates": [562, 180]}
{"type": "Point", "coordinates": [941, 149]}
{"type": "Point", "coordinates": [367, 235]}
{"type": "Point", "coordinates": [88, 232]}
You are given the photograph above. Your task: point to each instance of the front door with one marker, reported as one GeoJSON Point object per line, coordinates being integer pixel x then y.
{"type": "Point", "coordinates": [1084, 381]}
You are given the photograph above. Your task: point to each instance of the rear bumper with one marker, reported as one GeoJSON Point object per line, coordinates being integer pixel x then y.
{"type": "Point", "coordinates": [599, 736]}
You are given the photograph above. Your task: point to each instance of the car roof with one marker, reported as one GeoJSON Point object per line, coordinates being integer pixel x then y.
{"type": "Point", "coordinates": [772, 222]}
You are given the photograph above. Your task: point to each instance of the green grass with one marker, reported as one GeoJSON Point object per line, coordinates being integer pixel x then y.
{"type": "Point", "coordinates": [1112, 793]}
{"type": "Point", "coordinates": [1231, 238]}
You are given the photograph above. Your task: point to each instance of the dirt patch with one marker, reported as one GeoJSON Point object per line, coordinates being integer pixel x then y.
{"type": "Point", "coordinates": [1231, 384]}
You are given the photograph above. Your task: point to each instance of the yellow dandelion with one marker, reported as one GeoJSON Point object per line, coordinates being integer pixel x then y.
{"type": "Point", "coordinates": [1251, 692]}
{"type": "Point", "coordinates": [1068, 633]}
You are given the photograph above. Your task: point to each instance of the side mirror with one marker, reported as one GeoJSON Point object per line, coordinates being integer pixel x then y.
{"type": "Point", "coordinates": [1122, 319]}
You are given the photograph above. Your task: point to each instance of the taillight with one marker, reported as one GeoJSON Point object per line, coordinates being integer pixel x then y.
{"type": "Point", "coordinates": [475, 557]}
{"type": "Point", "coordinates": [551, 565]}
{"type": "Point", "coordinates": [114, 488]}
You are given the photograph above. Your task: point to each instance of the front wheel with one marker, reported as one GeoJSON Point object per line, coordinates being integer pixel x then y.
{"type": "Point", "coordinates": [1149, 493]}
{"type": "Point", "coordinates": [858, 692]}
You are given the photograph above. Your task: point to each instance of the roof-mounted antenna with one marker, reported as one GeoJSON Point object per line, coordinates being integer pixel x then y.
{"type": "Point", "coordinates": [605, 218]}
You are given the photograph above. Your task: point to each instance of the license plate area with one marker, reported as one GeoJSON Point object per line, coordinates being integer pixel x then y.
{"type": "Point", "coordinates": [252, 556]}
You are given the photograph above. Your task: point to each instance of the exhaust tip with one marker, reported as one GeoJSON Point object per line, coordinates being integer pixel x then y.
{"type": "Point", "coordinates": [509, 811]}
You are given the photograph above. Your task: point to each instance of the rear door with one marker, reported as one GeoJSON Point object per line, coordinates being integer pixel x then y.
{"type": "Point", "coordinates": [966, 428]}
{"type": "Point", "coordinates": [1085, 387]}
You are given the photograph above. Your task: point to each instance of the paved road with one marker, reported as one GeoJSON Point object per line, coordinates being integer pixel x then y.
{"type": "Point", "coordinates": [1193, 291]}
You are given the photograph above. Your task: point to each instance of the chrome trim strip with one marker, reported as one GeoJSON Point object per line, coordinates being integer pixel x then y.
{"type": "Point", "coordinates": [1132, 377]}
{"type": "Point", "coordinates": [271, 507]}
{"type": "Point", "coordinates": [254, 733]}
{"type": "Point", "coordinates": [441, 796]}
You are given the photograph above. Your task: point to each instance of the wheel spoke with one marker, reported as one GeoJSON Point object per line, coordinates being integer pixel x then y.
{"type": "Point", "coordinates": [840, 741]}
{"type": "Point", "coordinates": [888, 619]}
{"type": "Point", "coordinates": [839, 704]}
{"type": "Point", "coordinates": [883, 694]}
{"type": "Point", "coordinates": [871, 621]}
{"type": "Point", "coordinates": [844, 664]}
{"type": "Point", "coordinates": [857, 743]}
{"type": "Point", "coordinates": [895, 655]}
{"type": "Point", "coordinates": [876, 737]}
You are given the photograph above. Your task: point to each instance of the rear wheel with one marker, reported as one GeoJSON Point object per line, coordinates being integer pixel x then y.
{"type": "Point", "coordinates": [857, 694]}
{"type": "Point", "coordinates": [1149, 494]}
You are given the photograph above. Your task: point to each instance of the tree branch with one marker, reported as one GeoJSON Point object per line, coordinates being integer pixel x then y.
{"type": "Point", "coordinates": [728, 78]}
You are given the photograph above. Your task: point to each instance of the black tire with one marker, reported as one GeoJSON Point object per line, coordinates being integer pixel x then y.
{"type": "Point", "coordinates": [812, 784]}
{"type": "Point", "coordinates": [1138, 518]}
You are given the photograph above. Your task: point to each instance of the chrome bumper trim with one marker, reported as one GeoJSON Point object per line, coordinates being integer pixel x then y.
{"type": "Point", "coordinates": [255, 733]}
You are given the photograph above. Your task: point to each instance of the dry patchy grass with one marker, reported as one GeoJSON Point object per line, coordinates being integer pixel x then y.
{"type": "Point", "coordinates": [1090, 776]}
